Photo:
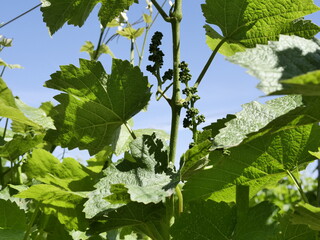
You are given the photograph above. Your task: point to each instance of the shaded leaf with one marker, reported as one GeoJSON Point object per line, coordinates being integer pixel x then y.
{"type": "Point", "coordinates": [246, 23]}
{"type": "Point", "coordinates": [212, 220]}
{"type": "Point", "coordinates": [258, 163]}
{"type": "Point", "coordinates": [286, 230]}
{"type": "Point", "coordinates": [65, 205]}
{"type": "Point", "coordinates": [12, 221]}
{"type": "Point", "coordinates": [96, 104]}
{"type": "Point", "coordinates": [194, 159]}
{"type": "Point", "coordinates": [307, 214]}
{"type": "Point", "coordinates": [19, 145]}
{"type": "Point", "coordinates": [291, 57]}
{"type": "Point", "coordinates": [149, 219]}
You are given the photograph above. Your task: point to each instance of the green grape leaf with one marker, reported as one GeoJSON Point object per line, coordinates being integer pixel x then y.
{"type": "Point", "coordinates": [95, 104]}
{"type": "Point", "coordinates": [212, 220]}
{"type": "Point", "coordinates": [65, 205]}
{"type": "Point", "coordinates": [286, 59]}
{"type": "Point", "coordinates": [89, 48]}
{"type": "Point", "coordinates": [19, 145]}
{"type": "Point", "coordinates": [3, 63]}
{"type": "Point", "coordinates": [9, 108]}
{"type": "Point", "coordinates": [254, 117]}
{"type": "Point", "coordinates": [147, 218]}
{"type": "Point", "coordinates": [130, 32]}
{"type": "Point", "coordinates": [5, 42]}
{"type": "Point", "coordinates": [306, 84]}
{"type": "Point", "coordinates": [249, 22]}
{"type": "Point", "coordinates": [140, 179]}
{"type": "Point", "coordinates": [257, 163]}
{"type": "Point", "coordinates": [147, 18]}
{"type": "Point", "coordinates": [307, 214]}
{"type": "Point", "coordinates": [58, 12]}
{"type": "Point", "coordinates": [194, 159]}
{"type": "Point", "coordinates": [69, 174]}
{"type": "Point", "coordinates": [213, 39]}
{"type": "Point", "coordinates": [122, 142]}
{"type": "Point", "coordinates": [12, 221]}
{"type": "Point", "coordinates": [286, 230]}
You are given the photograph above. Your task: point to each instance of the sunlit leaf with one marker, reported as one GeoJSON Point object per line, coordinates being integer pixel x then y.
{"type": "Point", "coordinates": [291, 58]}
{"type": "Point", "coordinates": [249, 22]}
{"type": "Point", "coordinates": [308, 215]}
{"type": "Point", "coordinates": [258, 163]}
{"type": "Point", "coordinates": [96, 104]}
{"type": "Point", "coordinates": [141, 178]}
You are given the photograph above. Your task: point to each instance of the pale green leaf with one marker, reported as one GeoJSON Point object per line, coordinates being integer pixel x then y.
{"type": "Point", "coordinates": [308, 215]}
{"type": "Point", "coordinates": [19, 145]}
{"type": "Point", "coordinates": [12, 221]}
{"type": "Point", "coordinates": [68, 174]}
{"type": "Point", "coordinates": [96, 104]}
{"type": "Point", "coordinates": [3, 63]}
{"type": "Point", "coordinates": [65, 205]}
{"type": "Point", "coordinates": [58, 12]}
{"type": "Point", "coordinates": [142, 177]}
{"type": "Point", "coordinates": [130, 32]}
{"type": "Point", "coordinates": [252, 118]}
{"type": "Point", "coordinates": [258, 163]}
{"type": "Point", "coordinates": [147, 18]}
{"type": "Point", "coordinates": [89, 48]}
{"type": "Point", "coordinates": [251, 22]}
{"type": "Point", "coordinates": [291, 57]}
{"type": "Point", "coordinates": [123, 139]}
{"type": "Point", "coordinates": [227, 49]}
{"type": "Point", "coordinates": [5, 42]}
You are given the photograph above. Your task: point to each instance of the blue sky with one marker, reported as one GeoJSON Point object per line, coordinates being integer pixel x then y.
{"type": "Point", "coordinates": [223, 90]}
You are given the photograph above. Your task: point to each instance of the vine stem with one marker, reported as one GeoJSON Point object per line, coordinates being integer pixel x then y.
{"type": "Point", "coordinates": [206, 67]}
{"type": "Point", "coordinates": [33, 218]}
{"type": "Point", "coordinates": [17, 17]}
{"type": "Point", "coordinates": [180, 198]}
{"type": "Point", "coordinates": [176, 105]}
{"type": "Point", "coordinates": [318, 187]}
{"type": "Point", "coordinates": [161, 11]}
{"type": "Point", "coordinates": [1, 168]}
{"type": "Point", "coordinates": [133, 135]}
{"type": "Point", "coordinates": [96, 54]}
{"type": "Point", "coordinates": [298, 185]}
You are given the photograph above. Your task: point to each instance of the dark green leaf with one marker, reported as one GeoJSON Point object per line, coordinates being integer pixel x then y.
{"type": "Point", "coordinates": [58, 12]}
{"type": "Point", "coordinates": [308, 215]}
{"type": "Point", "coordinates": [12, 221]}
{"type": "Point", "coordinates": [146, 218]}
{"type": "Point", "coordinates": [96, 104]}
